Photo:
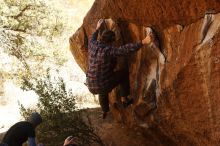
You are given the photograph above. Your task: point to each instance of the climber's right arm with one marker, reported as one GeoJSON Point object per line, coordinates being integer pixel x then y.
{"type": "Point", "coordinates": [94, 36]}
{"type": "Point", "coordinates": [124, 50]}
{"type": "Point", "coordinates": [129, 48]}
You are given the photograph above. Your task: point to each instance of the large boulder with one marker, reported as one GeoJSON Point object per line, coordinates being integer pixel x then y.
{"type": "Point", "coordinates": [176, 89]}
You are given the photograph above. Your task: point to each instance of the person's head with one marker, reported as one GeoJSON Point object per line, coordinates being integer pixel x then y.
{"type": "Point", "coordinates": [35, 119]}
{"type": "Point", "coordinates": [107, 36]}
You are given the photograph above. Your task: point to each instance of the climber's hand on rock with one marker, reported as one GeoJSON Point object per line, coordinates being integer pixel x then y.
{"type": "Point", "coordinates": [99, 23]}
{"type": "Point", "coordinates": [148, 39]}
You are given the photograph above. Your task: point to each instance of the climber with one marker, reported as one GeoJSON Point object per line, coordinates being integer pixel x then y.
{"type": "Point", "coordinates": [101, 77]}
{"type": "Point", "coordinates": [22, 131]}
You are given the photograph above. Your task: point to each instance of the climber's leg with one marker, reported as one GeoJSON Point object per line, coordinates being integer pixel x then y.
{"type": "Point", "coordinates": [122, 78]}
{"type": "Point", "coordinates": [119, 78]}
{"type": "Point", "coordinates": [125, 90]}
{"type": "Point", "coordinates": [104, 103]}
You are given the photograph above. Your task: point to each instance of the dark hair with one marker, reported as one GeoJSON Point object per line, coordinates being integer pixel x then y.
{"type": "Point", "coordinates": [107, 36]}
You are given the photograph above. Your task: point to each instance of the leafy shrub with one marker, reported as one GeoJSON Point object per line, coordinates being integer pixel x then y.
{"type": "Point", "coordinates": [60, 115]}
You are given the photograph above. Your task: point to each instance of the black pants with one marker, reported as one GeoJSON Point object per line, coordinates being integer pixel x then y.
{"type": "Point", "coordinates": [3, 144]}
{"type": "Point", "coordinates": [119, 78]}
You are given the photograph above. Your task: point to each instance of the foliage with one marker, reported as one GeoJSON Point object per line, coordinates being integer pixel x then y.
{"type": "Point", "coordinates": [60, 115]}
{"type": "Point", "coordinates": [32, 31]}
{"type": "Point", "coordinates": [32, 38]}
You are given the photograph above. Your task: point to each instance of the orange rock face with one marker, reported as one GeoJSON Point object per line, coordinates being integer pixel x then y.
{"type": "Point", "coordinates": [177, 91]}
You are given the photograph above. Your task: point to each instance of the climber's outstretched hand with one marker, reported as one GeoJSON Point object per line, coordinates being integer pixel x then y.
{"type": "Point", "coordinates": [150, 37]}
{"type": "Point", "coordinates": [147, 40]}
{"type": "Point", "coordinates": [99, 23]}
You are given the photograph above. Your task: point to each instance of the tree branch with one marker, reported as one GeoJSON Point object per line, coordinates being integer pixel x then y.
{"type": "Point", "coordinates": [22, 12]}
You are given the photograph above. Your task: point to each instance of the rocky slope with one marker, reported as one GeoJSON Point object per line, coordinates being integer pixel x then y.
{"type": "Point", "coordinates": [177, 91]}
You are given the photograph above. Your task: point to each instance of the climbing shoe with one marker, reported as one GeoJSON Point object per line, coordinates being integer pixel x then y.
{"type": "Point", "coordinates": [104, 115]}
{"type": "Point", "coordinates": [115, 105]}
{"type": "Point", "coordinates": [126, 102]}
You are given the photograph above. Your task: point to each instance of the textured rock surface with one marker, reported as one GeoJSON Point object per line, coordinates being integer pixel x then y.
{"type": "Point", "coordinates": [186, 86]}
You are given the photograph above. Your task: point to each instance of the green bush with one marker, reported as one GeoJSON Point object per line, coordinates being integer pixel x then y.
{"type": "Point", "coordinates": [60, 116]}
{"type": "Point", "coordinates": [33, 36]}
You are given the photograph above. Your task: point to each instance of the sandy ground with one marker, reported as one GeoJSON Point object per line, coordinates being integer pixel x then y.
{"type": "Point", "coordinates": [117, 134]}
